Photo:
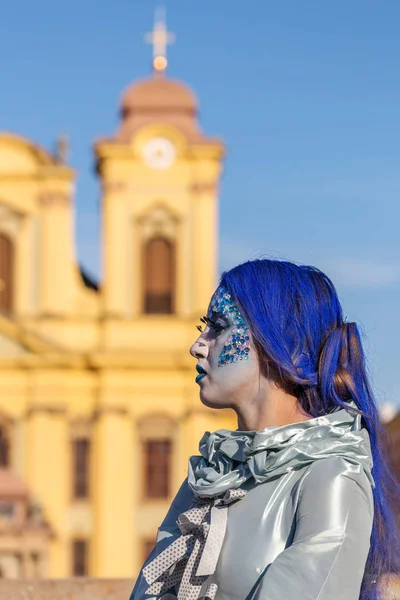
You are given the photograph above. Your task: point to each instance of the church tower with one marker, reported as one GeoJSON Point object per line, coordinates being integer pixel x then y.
{"type": "Point", "coordinates": [159, 176]}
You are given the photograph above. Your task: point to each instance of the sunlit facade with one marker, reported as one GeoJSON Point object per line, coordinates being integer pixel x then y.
{"type": "Point", "coordinates": [97, 396]}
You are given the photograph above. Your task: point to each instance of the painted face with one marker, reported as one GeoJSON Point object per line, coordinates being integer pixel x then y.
{"type": "Point", "coordinates": [227, 361]}
{"type": "Point", "coordinates": [237, 346]}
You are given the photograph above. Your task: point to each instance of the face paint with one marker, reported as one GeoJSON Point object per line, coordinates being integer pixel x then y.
{"type": "Point", "coordinates": [237, 347]}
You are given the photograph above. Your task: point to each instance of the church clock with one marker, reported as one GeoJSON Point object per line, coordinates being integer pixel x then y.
{"type": "Point", "coordinates": [159, 153]}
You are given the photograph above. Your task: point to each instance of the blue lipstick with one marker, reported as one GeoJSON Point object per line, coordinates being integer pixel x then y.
{"type": "Point", "coordinates": [201, 373]}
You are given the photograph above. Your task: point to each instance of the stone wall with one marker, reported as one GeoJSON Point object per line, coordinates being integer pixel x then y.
{"type": "Point", "coordinates": [67, 589]}
{"type": "Point", "coordinates": [93, 589]}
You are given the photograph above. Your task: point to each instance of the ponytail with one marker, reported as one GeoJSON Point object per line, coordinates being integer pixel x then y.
{"type": "Point", "coordinates": [342, 368]}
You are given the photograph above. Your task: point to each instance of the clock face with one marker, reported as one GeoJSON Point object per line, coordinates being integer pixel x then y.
{"type": "Point", "coordinates": [159, 153]}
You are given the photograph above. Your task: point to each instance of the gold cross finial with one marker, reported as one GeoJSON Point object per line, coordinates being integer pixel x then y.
{"type": "Point", "coordinates": [160, 38]}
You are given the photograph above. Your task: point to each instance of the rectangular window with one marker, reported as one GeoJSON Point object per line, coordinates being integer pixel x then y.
{"type": "Point", "coordinates": [7, 263]}
{"type": "Point", "coordinates": [157, 468]}
{"type": "Point", "coordinates": [158, 303]}
{"type": "Point", "coordinates": [79, 558]}
{"type": "Point", "coordinates": [159, 275]}
{"type": "Point", "coordinates": [4, 448]}
{"type": "Point", "coordinates": [81, 458]}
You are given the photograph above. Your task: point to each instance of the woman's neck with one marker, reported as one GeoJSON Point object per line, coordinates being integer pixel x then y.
{"type": "Point", "coordinates": [271, 407]}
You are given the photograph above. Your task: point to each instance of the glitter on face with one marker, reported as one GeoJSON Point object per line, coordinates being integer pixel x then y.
{"type": "Point", "coordinates": [237, 347]}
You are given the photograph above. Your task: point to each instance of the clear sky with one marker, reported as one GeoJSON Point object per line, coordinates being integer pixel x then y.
{"type": "Point", "coordinates": [306, 96]}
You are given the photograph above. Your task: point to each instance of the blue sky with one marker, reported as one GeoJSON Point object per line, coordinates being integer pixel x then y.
{"type": "Point", "coordinates": [306, 96]}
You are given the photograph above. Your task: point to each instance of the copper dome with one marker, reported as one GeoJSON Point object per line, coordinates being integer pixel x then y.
{"type": "Point", "coordinates": [159, 94]}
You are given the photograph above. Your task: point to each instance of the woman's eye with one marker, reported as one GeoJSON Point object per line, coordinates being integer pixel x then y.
{"type": "Point", "coordinates": [217, 326]}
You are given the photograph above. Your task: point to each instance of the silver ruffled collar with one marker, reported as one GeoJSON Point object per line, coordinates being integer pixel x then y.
{"type": "Point", "coordinates": [229, 459]}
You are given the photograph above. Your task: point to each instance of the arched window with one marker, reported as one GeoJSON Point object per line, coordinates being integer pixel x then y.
{"type": "Point", "coordinates": [6, 273]}
{"type": "Point", "coordinates": [4, 447]}
{"type": "Point", "coordinates": [159, 276]}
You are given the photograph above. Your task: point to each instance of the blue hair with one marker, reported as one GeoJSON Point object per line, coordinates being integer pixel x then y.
{"type": "Point", "coordinates": [296, 320]}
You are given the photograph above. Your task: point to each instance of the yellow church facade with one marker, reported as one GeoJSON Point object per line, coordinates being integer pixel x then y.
{"type": "Point", "coordinates": [99, 410]}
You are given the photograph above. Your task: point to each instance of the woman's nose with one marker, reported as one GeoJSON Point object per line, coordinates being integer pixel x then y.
{"type": "Point", "coordinates": [199, 349]}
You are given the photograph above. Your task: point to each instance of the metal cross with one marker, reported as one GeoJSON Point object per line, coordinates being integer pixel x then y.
{"type": "Point", "coordinates": [160, 36]}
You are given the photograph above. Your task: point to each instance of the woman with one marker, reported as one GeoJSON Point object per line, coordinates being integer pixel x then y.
{"type": "Point", "coordinates": [297, 504]}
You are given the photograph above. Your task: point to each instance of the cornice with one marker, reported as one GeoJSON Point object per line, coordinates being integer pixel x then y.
{"type": "Point", "coordinates": [117, 410]}
{"type": "Point", "coordinates": [55, 199]}
{"type": "Point", "coordinates": [49, 409]}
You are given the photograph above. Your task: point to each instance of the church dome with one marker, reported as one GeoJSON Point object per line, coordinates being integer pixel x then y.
{"type": "Point", "coordinates": [159, 94]}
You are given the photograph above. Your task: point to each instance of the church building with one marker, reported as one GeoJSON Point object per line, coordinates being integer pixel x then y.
{"type": "Point", "coordinates": [99, 409]}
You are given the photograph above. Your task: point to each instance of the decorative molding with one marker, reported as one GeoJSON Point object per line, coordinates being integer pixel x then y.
{"type": "Point", "coordinates": [10, 221]}
{"type": "Point", "coordinates": [49, 409]}
{"type": "Point", "coordinates": [112, 314]}
{"type": "Point", "coordinates": [201, 187]}
{"type": "Point", "coordinates": [151, 189]}
{"type": "Point", "coordinates": [156, 427]}
{"type": "Point", "coordinates": [204, 187]}
{"type": "Point", "coordinates": [80, 518]}
{"type": "Point", "coordinates": [113, 187]}
{"type": "Point", "coordinates": [117, 410]}
{"type": "Point", "coordinates": [10, 348]}
{"type": "Point", "coordinates": [54, 199]}
{"type": "Point", "coordinates": [80, 428]}
{"type": "Point", "coordinates": [18, 332]}
{"type": "Point", "coordinates": [158, 221]}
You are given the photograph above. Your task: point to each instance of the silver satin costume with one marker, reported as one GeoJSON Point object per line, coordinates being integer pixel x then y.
{"type": "Point", "coordinates": [281, 514]}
